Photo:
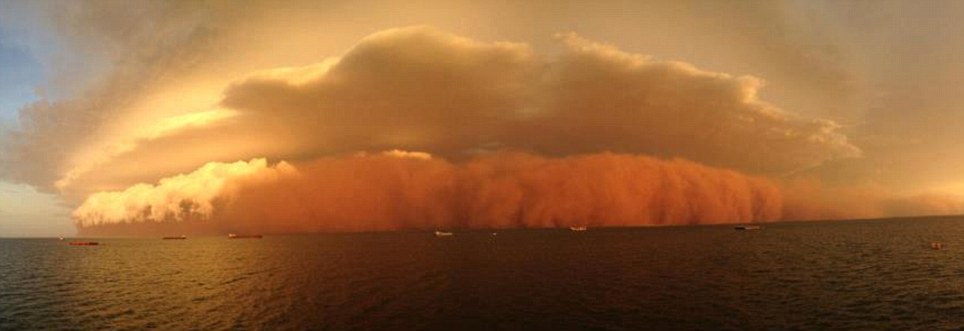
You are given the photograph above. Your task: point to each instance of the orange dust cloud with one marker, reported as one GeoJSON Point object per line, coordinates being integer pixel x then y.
{"type": "Point", "coordinates": [398, 190]}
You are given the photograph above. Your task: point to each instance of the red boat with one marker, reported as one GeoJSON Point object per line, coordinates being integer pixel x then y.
{"type": "Point", "coordinates": [243, 236]}
{"type": "Point", "coordinates": [83, 243]}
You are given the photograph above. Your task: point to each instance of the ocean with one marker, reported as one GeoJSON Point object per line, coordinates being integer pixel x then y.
{"type": "Point", "coordinates": [842, 275]}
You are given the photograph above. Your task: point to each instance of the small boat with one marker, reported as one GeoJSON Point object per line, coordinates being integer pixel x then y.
{"type": "Point", "coordinates": [83, 243]}
{"type": "Point", "coordinates": [181, 237]}
{"type": "Point", "coordinates": [244, 236]}
{"type": "Point", "coordinates": [747, 227]}
{"type": "Point", "coordinates": [442, 233]}
{"type": "Point", "coordinates": [577, 228]}
{"type": "Point", "coordinates": [937, 246]}
{"type": "Point", "coordinates": [61, 238]}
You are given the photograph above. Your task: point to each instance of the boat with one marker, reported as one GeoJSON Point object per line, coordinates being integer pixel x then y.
{"type": "Point", "coordinates": [747, 227]}
{"type": "Point", "coordinates": [181, 237]}
{"type": "Point", "coordinates": [937, 245]}
{"type": "Point", "coordinates": [244, 236]}
{"type": "Point", "coordinates": [577, 228]}
{"type": "Point", "coordinates": [442, 233]}
{"type": "Point", "coordinates": [83, 243]}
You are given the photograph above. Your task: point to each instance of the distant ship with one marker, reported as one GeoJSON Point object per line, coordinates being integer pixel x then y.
{"type": "Point", "coordinates": [442, 233]}
{"type": "Point", "coordinates": [247, 236]}
{"type": "Point", "coordinates": [83, 243]}
{"type": "Point", "coordinates": [747, 227]}
{"type": "Point", "coordinates": [577, 228]}
{"type": "Point", "coordinates": [182, 237]}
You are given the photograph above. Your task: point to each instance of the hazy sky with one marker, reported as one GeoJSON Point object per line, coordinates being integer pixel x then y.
{"type": "Point", "coordinates": [857, 96]}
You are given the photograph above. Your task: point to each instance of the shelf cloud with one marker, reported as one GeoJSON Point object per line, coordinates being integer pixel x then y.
{"type": "Point", "coordinates": [506, 137]}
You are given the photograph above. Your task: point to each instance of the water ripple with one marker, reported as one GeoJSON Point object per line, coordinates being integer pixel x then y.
{"type": "Point", "coordinates": [845, 275]}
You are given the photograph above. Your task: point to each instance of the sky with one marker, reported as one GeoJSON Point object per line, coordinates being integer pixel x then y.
{"type": "Point", "coordinates": [119, 116]}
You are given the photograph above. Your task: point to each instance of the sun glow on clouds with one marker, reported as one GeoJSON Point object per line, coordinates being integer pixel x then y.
{"type": "Point", "coordinates": [159, 129]}
{"type": "Point", "coordinates": [407, 154]}
{"type": "Point", "coordinates": [177, 198]}
{"type": "Point", "coordinates": [192, 196]}
{"type": "Point", "coordinates": [297, 75]}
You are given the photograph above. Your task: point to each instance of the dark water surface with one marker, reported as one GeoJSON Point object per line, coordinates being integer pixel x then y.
{"type": "Point", "coordinates": [870, 275]}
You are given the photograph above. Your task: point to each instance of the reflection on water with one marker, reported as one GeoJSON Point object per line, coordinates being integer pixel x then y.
{"type": "Point", "coordinates": [842, 275]}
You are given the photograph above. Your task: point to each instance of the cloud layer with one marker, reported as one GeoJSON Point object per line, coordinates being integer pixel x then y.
{"type": "Point", "coordinates": [416, 88]}
{"type": "Point", "coordinates": [420, 88]}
